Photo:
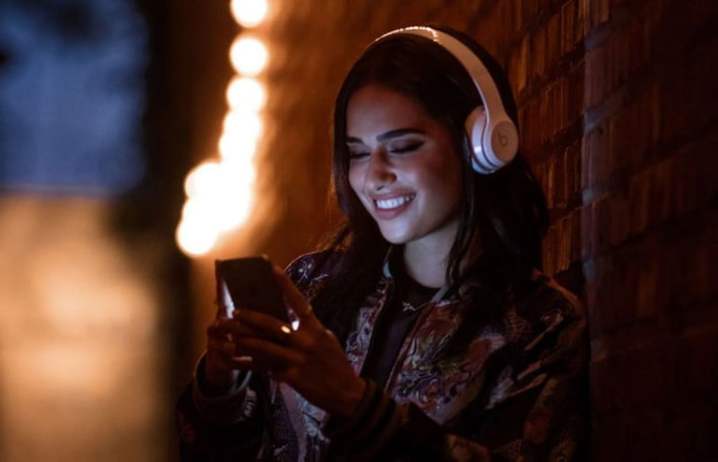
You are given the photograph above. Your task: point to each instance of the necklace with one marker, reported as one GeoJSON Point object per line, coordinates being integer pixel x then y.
{"type": "Point", "coordinates": [407, 307]}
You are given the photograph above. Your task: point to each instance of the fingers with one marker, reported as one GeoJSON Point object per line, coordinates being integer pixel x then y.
{"type": "Point", "coordinates": [268, 327]}
{"type": "Point", "coordinates": [267, 355]}
{"type": "Point", "coordinates": [295, 298]}
{"type": "Point", "coordinates": [248, 323]}
{"type": "Point", "coordinates": [221, 329]}
{"type": "Point", "coordinates": [251, 341]}
{"type": "Point", "coordinates": [269, 351]}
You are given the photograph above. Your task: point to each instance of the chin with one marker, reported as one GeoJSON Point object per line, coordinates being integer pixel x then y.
{"type": "Point", "coordinates": [396, 237]}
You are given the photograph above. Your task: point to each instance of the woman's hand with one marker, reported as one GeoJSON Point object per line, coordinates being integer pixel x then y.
{"type": "Point", "coordinates": [223, 361]}
{"type": "Point", "coordinates": [310, 359]}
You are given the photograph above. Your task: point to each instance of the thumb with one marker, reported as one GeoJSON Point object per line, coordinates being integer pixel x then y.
{"type": "Point", "coordinates": [295, 298]}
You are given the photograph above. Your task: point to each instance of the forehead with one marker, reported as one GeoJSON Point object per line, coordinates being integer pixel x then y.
{"type": "Point", "coordinates": [374, 109]}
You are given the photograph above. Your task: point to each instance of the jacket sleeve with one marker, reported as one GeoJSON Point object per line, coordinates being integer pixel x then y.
{"type": "Point", "coordinates": [220, 428]}
{"type": "Point", "coordinates": [534, 410]}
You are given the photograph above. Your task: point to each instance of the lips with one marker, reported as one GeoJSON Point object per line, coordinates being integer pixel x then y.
{"type": "Point", "coordinates": [387, 207]}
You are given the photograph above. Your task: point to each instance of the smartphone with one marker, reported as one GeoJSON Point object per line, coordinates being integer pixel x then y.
{"type": "Point", "coordinates": [249, 283]}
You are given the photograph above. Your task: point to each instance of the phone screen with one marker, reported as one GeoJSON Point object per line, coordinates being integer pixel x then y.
{"type": "Point", "coordinates": [249, 283]}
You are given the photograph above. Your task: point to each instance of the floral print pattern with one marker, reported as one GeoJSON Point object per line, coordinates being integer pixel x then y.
{"type": "Point", "coordinates": [522, 371]}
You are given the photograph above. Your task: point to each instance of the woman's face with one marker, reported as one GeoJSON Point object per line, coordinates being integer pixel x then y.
{"type": "Point", "coordinates": [403, 166]}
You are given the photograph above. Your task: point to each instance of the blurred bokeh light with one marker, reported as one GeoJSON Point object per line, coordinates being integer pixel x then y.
{"type": "Point", "coordinates": [220, 192]}
{"type": "Point", "coordinates": [248, 55]}
{"type": "Point", "coordinates": [249, 13]}
{"type": "Point", "coordinates": [246, 93]}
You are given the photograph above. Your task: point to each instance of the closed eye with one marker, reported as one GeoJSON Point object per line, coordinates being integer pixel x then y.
{"type": "Point", "coordinates": [357, 154]}
{"type": "Point", "coordinates": [407, 147]}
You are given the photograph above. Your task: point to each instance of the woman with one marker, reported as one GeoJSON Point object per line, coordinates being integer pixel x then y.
{"type": "Point", "coordinates": [426, 328]}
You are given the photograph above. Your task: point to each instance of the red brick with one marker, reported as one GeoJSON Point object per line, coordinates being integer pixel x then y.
{"type": "Point", "coordinates": [636, 46]}
{"type": "Point", "coordinates": [524, 124]}
{"type": "Point", "coordinates": [597, 75]}
{"type": "Point", "coordinates": [664, 180]}
{"type": "Point", "coordinates": [692, 427]}
{"type": "Point", "coordinates": [550, 181]}
{"type": "Point", "coordinates": [576, 91]}
{"type": "Point", "coordinates": [553, 40]}
{"type": "Point", "coordinates": [618, 224]}
{"type": "Point", "coordinates": [673, 186]}
{"type": "Point", "coordinates": [610, 292]}
{"type": "Point", "coordinates": [587, 213]}
{"type": "Point", "coordinates": [610, 438]}
{"type": "Point", "coordinates": [688, 91]}
{"type": "Point", "coordinates": [640, 197]}
{"type": "Point", "coordinates": [557, 108]}
{"type": "Point", "coordinates": [577, 235]}
{"type": "Point", "coordinates": [649, 437]}
{"type": "Point", "coordinates": [530, 10]}
{"type": "Point", "coordinates": [642, 377]}
{"type": "Point", "coordinates": [533, 122]}
{"type": "Point", "coordinates": [583, 20]}
{"type": "Point", "coordinates": [571, 171]}
{"type": "Point", "coordinates": [647, 288]}
{"type": "Point", "coordinates": [568, 27]}
{"type": "Point", "coordinates": [631, 132]}
{"type": "Point", "coordinates": [537, 57]}
{"type": "Point", "coordinates": [698, 368]}
{"type": "Point", "coordinates": [569, 232]}
{"type": "Point", "coordinates": [516, 16]}
{"type": "Point", "coordinates": [518, 67]}
{"type": "Point", "coordinates": [599, 12]}
{"type": "Point", "coordinates": [595, 168]}
{"type": "Point", "coordinates": [548, 113]}
{"type": "Point", "coordinates": [559, 193]}
{"type": "Point", "coordinates": [687, 275]}
{"type": "Point", "coordinates": [549, 250]}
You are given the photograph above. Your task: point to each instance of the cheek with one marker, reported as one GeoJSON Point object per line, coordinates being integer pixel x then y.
{"type": "Point", "coordinates": [439, 176]}
{"type": "Point", "coordinates": [356, 182]}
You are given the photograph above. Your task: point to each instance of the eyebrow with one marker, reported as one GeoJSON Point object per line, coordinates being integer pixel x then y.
{"type": "Point", "coordinates": [390, 134]}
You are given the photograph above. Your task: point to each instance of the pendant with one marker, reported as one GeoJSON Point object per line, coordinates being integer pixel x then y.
{"type": "Point", "coordinates": [408, 307]}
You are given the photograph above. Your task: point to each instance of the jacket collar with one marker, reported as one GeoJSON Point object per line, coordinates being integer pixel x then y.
{"type": "Point", "coordinates": [391, 254]}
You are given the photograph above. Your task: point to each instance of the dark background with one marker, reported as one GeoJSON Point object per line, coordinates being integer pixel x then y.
{"type": "Point", "coordinates": [103, 316]}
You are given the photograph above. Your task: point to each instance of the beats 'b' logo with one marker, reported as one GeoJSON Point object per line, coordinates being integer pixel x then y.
{"type": "Point", "coordinates": [503, 139]}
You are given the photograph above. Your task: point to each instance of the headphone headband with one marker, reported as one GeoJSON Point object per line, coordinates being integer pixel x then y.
{"type": "Point", "coordinates": [493, 134]}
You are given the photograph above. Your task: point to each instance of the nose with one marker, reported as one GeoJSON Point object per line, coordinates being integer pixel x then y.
{"type": "Point", "coordinates": [379, 172]}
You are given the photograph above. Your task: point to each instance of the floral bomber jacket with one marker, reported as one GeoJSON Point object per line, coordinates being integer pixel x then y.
{"type": "Point", "coordinates": [517, 390]}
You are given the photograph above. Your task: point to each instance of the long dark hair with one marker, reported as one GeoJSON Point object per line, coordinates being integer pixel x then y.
{"type": "Point", "coordinates": [507, 208]}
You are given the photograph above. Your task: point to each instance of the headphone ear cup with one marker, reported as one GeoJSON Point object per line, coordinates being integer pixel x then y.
{"type": "Point", "coordinates": [475, 126]}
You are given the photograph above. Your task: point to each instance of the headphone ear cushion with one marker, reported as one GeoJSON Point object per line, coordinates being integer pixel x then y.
{"type": "Point", "coordinates": [475, 126]}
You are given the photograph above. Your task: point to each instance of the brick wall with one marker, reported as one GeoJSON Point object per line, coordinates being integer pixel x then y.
{"type": "Point", "coordinates": [617, 118]}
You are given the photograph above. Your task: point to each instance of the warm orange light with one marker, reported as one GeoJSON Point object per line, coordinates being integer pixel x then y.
{"type": "Point", "coordinates": [201, 178]}
{"type": "Point", "coordinates": [246, 124]}
{"type": "Point", "coordinates": [234, 147]}
{"type": "Point", "coordinates": [220, 196]}
{"type": "Point", "coordinates": [246, 93]}
{"type": "Point", "coordinates": [195, 239]}
{"type": "Point", "coordinates": [220, 192]}
{"type": "Point", "coordinates": [249, 13]}
{"type": "Point", "coordinates": [248, 55]}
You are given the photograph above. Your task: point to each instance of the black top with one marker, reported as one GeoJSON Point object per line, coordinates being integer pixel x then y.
{"type": "Point", "coordinates": [395, 322]}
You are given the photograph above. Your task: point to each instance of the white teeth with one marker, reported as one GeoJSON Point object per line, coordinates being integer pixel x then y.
{"type": "Point", "coordinates": [393, 202]}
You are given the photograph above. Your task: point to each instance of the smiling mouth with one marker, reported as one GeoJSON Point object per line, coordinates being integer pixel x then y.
{"type": "Point", "coordinates": [393, 203]}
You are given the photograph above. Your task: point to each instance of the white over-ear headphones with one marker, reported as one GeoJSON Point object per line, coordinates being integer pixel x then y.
{"type": "Point", "coordinates": [494, 136]}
